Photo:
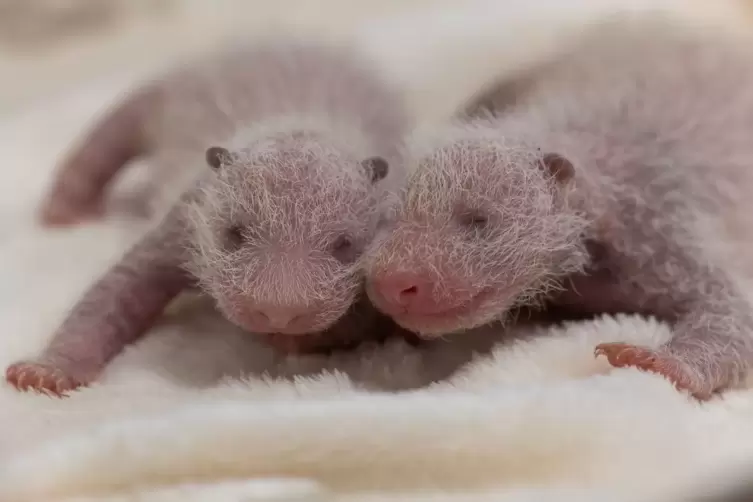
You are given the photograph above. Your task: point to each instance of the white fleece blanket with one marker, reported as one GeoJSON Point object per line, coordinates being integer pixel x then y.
{"type": "Point", "coordinates": [198, 411]}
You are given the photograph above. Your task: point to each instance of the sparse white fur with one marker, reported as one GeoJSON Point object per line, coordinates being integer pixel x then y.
{"type": "Point", "coordinates": [280, 217]}
{"type": "Point", "coordinates": [536, 234]}
{"type": "Point", "coordinates": [656, 120]}
{"type": "Point", "coordinates": [290, 219]}
{"type": "Point", "coordinates": [298, 119]}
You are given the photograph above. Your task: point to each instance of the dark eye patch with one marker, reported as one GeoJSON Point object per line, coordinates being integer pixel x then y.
{"type": "Point", "coordinates": [234, 237]}
{"type": "Point", "coordinates": [344, 248]}
{"type": "Point", "coordinates": [474, 219]}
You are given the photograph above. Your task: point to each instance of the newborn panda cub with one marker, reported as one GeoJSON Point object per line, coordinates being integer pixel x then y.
{"type": "Point", "coordinates": [303, 141]}
{"type": "Point", "coordinates": [618, 180]}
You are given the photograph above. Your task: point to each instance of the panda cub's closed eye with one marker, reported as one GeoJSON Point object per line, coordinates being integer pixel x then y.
{"type": "Point", "coordinates": [233, 237]}
{"type": "Point", "coordinates": [473, 219]}
{"type": "Point", "coordinates": [343, 249]}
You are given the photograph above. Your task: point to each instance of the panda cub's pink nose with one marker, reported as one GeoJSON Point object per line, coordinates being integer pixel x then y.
{"type": "Point", "coordinates": [406, 291]}
{"type": "Point", "coordinates": [281, 318]}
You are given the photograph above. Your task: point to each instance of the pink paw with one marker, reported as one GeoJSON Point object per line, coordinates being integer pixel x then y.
{"type": "Point", "coordinates": [57, 211]}
{"type": "Point", "coordinates": [622, 355]}
{"type": "Point", "coordinates": [40, 377]}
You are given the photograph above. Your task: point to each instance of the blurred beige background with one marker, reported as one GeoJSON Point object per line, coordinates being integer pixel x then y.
{"type": "Point", "coordinates": [48, 45]}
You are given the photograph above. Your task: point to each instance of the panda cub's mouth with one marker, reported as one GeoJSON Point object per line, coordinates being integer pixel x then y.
{"type": "Point", "coordinates": [445, 320]}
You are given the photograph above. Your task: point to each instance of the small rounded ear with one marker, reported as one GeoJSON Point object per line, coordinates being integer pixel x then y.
{"type": "Point", "coordinates": [216, 156]}
{"type": "Point", "coordinates": [376, 167]}
{"type": "Point", "coordinates": [558, 166]}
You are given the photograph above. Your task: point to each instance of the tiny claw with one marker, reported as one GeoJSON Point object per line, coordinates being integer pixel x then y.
{"type": "Point", "coordinates": [43, 378]}
{"type": "Point", "coordinates": [622, 355]}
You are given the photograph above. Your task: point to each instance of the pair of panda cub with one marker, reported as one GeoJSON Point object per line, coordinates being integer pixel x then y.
{"type": "Point", "coordinates": [614, 178]}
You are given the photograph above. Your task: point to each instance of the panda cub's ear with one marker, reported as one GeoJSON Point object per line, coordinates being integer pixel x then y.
{"type": "Point", "coordinates": [216, 157]}
{"type": "Point", "coordinates": [376, 168]}
{"type": "Point", "coordinates": [558, 166]}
